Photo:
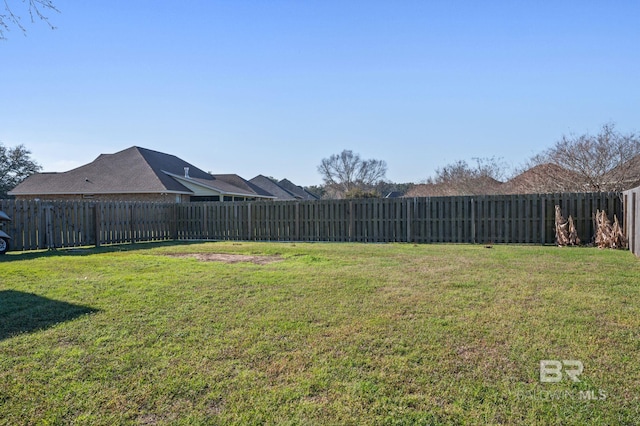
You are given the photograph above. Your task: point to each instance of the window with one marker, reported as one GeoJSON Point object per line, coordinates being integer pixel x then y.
{"type": "Point", "coordinates": [205, 198]}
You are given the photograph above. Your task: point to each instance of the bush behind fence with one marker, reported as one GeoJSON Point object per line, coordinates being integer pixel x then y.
{"type": "Point", "coordinates": [527, 219]}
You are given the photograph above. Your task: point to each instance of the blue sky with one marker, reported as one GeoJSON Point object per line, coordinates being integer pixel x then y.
{"type": "Point", "coordinates": [272, 87]}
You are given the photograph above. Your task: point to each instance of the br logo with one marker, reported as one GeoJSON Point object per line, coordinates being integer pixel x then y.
{"type": "Point", "coordinates": [551, 371]}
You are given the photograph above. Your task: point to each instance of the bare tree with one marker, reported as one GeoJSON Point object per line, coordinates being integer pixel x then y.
{"type": "Point", "coordinates": [607, 161]}
{"type": "Point", "coordinates": [460, 178]}
{"type": "Point", "coordinates": [35, 9]}
{"type": "Point", "coordinates": [15, 166]}
{"type": "Point", "coordinates": [345, 172]}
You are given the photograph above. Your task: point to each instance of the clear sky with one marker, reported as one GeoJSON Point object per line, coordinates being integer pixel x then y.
{"type": "Point", "coordinates": [271, 87]}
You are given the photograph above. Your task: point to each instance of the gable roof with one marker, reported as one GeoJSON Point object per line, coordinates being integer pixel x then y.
{"type": "Point", "coordinates": [626, 175]}
{"type": "Point", "coordinates": [232, 182]}
{"type": "Point", "coordinates": [273, 187]}
{"type": "Point", "coordinates": [543, 178]}
{"type": "Point", "coordinates": [297, 191]}
{"type": "Point", "coordinates": [136, 170]}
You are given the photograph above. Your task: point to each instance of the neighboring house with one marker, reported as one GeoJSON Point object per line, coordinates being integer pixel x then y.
{"type": "Point", "coordinates": [298, 191]}
{"type": "Point", "coordinates": [543, 178]}
{"type": "Point", "coordinates": [284, 189]}
{"type": "Point", "coordinates": [394, 194]}
{"type": "Point", "coordinates": [273, 187]}
{"type": "Point", "coordinates": [138, 174]}
{"type": "Point", "coordinates": [625, 176]}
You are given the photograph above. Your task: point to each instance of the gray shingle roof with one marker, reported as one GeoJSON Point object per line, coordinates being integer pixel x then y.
{"type": "Point", "coordinates": [233, 182]}
{"type": "Point", "coordinates": [298, 191]}
{"type": "Point", "coordinates": [273, 187]}
{"type": "Point", "coordinates": [133, 170]}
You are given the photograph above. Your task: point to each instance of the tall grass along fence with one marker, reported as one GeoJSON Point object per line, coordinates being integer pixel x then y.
{"type": "Point", "coordinates": [527, 219]}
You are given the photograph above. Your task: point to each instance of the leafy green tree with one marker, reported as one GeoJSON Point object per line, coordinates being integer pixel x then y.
{"type": "Point", "coordinates": [15, 166]}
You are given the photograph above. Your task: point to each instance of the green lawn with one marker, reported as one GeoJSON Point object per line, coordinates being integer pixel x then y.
{"type": "Point", "coordinates": [327, 334]}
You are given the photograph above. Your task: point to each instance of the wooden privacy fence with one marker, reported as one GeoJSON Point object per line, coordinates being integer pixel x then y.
{"type": "Point", "coordinates": [527, 219]}
{"type": "Point", "coordinates": [46, 225]}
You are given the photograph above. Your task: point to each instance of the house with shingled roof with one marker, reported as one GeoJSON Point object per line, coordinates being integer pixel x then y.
{"type": "Point", "coordinates": [138, 174]}
{"type": "Point", "coordinates": [283, 189]}
{"type": "Point", "coordinates": [298, 191]}
{"type": "Point", "coordinates": [273, 187]}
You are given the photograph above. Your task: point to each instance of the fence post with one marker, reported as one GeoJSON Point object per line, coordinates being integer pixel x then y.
{"type": "Point", "coordinates": [351, 221]}
{"type": "Point", "coordinates": [408, 203]}
{"type": "Point", "coordinates": [48, 218]}
{"type": "Point", "coordinates": [250, 232]}
{"type": "Point", "coordinates": [174, 221]}
{"type": "Point", "coordinates": [473, 220]}
{"type": "Point", "coordinates": [297, 225]}
{"type": "Point", "coordinates": [96, 222]}
{"type": "Point", "coordinates": [131, 222]}
{"type": "Point", "coordinates": [544, 222]}
{"type": "Point", "coordinates": [633, 236]}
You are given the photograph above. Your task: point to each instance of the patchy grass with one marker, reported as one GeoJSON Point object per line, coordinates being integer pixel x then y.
{"type": "Point", "coordinates": [328, 334]}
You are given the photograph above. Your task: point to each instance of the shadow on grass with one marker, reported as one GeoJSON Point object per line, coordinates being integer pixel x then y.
{"type": "Point", "coordinates": [85, 251]}
{"type": "Point", "coordinates": [25, 312]}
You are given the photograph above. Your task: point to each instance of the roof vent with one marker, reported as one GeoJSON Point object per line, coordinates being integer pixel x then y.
{"type": "Point", "coordinates": [186, 172]}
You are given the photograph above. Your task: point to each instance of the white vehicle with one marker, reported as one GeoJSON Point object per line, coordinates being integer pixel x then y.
{"type": "Point", "coordinates": [4, 237]}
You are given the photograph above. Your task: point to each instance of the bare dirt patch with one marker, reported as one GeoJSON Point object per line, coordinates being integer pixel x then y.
{"type": "Point", "coordinates": [230, 258]}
